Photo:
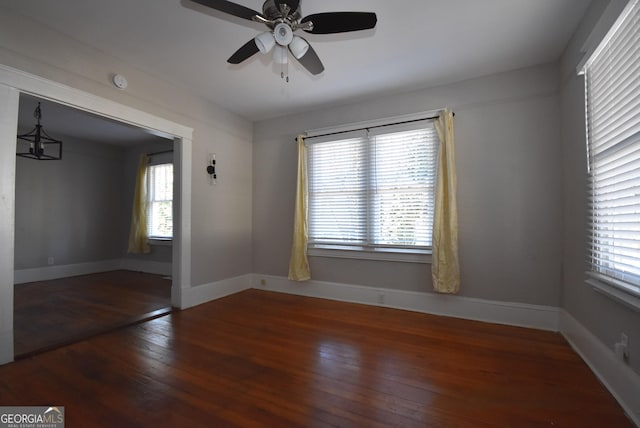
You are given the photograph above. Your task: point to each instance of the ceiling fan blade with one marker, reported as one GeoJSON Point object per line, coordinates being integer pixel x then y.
{"type": "Point", "coordinates": [311, 61]}
{"type": "Point", "coordinates": [247, 50]}
{"type": "Point", "coordinates": [340, 22]}
{"type": "Point", "coordinates": [230, 8]}
{"type": "Point", "coordinates": [293, 4]}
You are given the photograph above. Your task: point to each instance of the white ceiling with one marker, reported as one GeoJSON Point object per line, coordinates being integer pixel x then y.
{"type": "Point", "coordinates": [416, 44]}
{"type": "Point", "coordinates": [61, 122]}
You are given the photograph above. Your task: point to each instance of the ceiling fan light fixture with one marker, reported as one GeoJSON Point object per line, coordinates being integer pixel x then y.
{"type": "Point", "coordinates": [280, 55]}
{"type": "Point", "coordinates": [299, 47]}
{"type": "Point", "coordinates": [283, 34]}
{"type": "Point", "coordinates": [265, 41]}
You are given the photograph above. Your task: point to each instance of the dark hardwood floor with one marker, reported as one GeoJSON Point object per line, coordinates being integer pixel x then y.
{"type": "Point", "coordinates": [261, 359]}
{"type": "Point", "coordinates": [49, 314]}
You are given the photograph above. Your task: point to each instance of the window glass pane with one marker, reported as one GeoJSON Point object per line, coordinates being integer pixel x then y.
{"type": "Point", "coordinates": [373, 191]}
{"type": "Point", "coordinates": [337, 192]}
{"type": "Point", "coordinates": [402, 187]}
{"type": "Point", "coordinates": [160, 201]}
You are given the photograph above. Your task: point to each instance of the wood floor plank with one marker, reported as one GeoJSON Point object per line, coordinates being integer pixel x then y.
{"type": "Point", "coordinates": [261, 359]}
{"type": "Point", "coordinates": [52, 313]}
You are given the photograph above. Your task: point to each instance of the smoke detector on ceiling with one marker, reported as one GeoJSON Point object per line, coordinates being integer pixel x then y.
{"type": "Point", "coordinates": [119, 81]}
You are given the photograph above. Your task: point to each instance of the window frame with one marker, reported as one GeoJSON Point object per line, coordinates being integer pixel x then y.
{"type": "Point", "coordinates": [381, 252]}
{"type": "Point", "coordinates": [612, 283]}
{"type": "Point", "coordinates": [155, 239]}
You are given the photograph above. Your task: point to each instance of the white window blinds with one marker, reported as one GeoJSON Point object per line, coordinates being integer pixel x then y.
{"type": "Point", "coordinates": [613, 128]}
{"type": "Point", "coordinates": [338, 190]}
{"type": "Point", "coordinates": [370, 190]}
{"type": "Point", "coordinates": [160, 201]}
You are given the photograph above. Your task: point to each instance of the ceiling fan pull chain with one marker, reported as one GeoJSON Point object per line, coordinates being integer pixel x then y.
{"type": "Point", "coordinates": [284, 69]}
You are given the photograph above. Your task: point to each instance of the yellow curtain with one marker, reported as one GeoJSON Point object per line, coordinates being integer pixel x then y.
{"type": "Point", "coordinates": [298, 264]}
{"type": "Point", "coordinates": [138, 235]}
{"type": "Point", "coordinates": [446, 265]}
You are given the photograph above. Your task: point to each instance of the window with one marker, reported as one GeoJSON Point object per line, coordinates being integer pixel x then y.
{"type": "Point", "coordinates": [612, 85]}
{"type": "Point", "coordinates": [160, 201]}
{"type": "Point", "coordinates": [373, 190]}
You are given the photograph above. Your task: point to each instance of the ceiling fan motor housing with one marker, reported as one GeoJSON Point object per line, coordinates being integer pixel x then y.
{"type": "Point", "coordinates": [271, 11]}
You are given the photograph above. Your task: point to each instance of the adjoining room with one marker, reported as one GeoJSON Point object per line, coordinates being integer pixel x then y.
{"type": "Point", "coordinates": [75, 275]}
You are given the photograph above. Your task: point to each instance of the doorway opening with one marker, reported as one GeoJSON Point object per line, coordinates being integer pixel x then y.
{"type": "Point", "coordinates": [74, 273]}
{"type": "Point", "coordinates": [15, 82]}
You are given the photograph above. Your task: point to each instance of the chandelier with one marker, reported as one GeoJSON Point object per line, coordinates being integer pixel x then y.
{"type": "Point", "coordinates": [41, 145]}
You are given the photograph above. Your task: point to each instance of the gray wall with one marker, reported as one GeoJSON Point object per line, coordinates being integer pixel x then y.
{"type": "Point", "coordinates": [220, 215]}
{"type": "Point", "coordinates": [510, 188]}
{"type": "Point", "coordinates": [605, 318]}
{"type": "Point", "coordinates": [78, 209]}
{"type": "Point", "coordinates": [69, 209]}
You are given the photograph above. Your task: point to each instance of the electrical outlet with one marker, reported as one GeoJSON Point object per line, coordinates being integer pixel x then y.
{"type": "Point", "coordinates": [624, 339]}
{"type": "Point", "coordinates": [621, 348]}
{"type": "Point", "coordinates": [50, 261]}
{"type": "Point", "coordinates": [381, 298]}
{"type": "Point", "coordinates": [263, 282]}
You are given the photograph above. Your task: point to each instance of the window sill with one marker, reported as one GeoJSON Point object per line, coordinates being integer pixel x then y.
{"type": "Point", "coordinates": [387, 255]}
{"type": "Point", "coordinates": [615, 293]}
{"type": "Point", "coordinates": [162, 242]}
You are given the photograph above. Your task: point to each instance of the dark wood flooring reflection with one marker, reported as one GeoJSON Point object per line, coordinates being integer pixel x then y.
{"type": "Point", "coordinates": [52, 313]}
{"type": "Point", "coordinates": [260, 359]}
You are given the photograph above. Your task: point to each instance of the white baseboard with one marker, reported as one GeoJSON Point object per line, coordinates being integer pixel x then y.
{"type": "Point", "coordinates": [47, 273]}
{"type": "Point", "coordinates": [517, 314]}
{"type": "Point", "coordinates": [193, 296]}
{"type": "Point", "coordinates": [620, 380]}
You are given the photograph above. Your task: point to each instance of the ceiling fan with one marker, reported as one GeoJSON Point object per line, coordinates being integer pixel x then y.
{"type": "Point", "coordinates": [283, 18]}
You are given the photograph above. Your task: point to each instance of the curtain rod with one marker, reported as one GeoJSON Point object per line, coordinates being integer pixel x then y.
{"type": "Point", "coordinates": [375, 126]}
{"type": "Point", "coordinates": [160, 153]}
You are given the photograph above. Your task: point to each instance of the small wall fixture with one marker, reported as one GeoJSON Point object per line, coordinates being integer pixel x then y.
{"type": "Point", "coordinates": [41, 145]}
{"type": "Point", "coordinates": [211, 169]}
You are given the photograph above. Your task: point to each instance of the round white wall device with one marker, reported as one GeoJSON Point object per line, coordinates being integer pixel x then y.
{"type": "Point", "coordinates": [120, 81]}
